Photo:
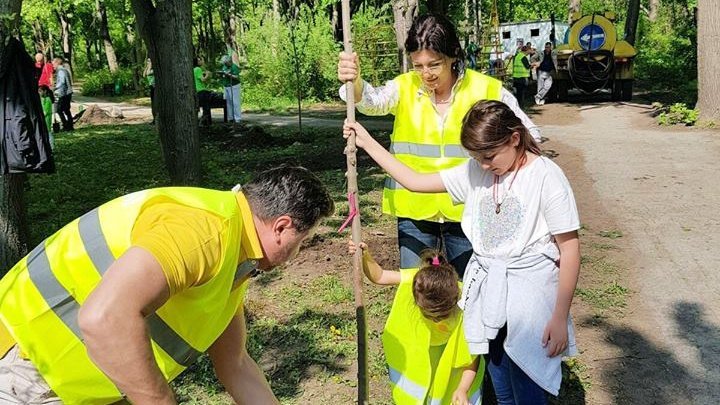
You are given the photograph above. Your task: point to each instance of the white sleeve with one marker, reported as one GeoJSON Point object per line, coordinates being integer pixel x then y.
{"type": "Point", "coordinates": [381, 100]}
{"type": "Point", "coordinates": [558, 203]}
{"type": "Point", "coordinates": [508, 98]}
{"type": "Point", "coordinates": [457, 181]}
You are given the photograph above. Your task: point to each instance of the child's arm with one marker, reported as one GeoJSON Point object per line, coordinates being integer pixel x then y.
{"type": "Point", "coordinates": [409, 178]}
{"type": "Point", "coordinates": [555, 336]}
{"type": "Point", "coordinates": [460, 396]}
{"type": "Point", "coordinates": [372, 270]}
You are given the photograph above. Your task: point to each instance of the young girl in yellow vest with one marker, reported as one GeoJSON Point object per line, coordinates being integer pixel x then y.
{"type": "Point", "coordinates": [521, 218]}
{"type": "Point", "coordinates": [425, 348]}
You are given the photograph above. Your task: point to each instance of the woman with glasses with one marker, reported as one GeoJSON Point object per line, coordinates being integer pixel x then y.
{"type": "Point", "coordinates": [429, 104]}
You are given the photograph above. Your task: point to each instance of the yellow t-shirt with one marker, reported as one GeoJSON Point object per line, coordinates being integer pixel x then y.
{"type": "Point", "coordinates": [187, 242]}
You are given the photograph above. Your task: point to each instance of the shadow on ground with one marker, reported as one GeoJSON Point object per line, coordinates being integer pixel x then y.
{"type": "Point", "coordinates": [646, 374]}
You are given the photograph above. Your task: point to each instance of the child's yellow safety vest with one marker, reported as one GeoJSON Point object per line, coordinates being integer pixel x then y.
{"type": "Point", "coordinates": [406, 341]}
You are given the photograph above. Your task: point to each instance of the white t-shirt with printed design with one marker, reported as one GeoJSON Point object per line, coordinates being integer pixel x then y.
{"type": "Point", "coordinates": [539, 204]}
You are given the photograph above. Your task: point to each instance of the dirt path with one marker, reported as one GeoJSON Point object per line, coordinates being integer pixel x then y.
{"type": "Point", "coordinates": [661, 189]}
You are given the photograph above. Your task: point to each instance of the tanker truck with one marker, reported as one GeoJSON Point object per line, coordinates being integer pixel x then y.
{"type": "Point", "coordinates": [593, 58]}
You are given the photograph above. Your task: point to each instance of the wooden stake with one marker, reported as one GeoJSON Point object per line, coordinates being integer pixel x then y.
{"type": "Point", "coordinates": [351, 155]}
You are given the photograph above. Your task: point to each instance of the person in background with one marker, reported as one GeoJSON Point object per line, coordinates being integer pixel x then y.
{"type": "Point", "coordinates": [149, 75]}
{"type": "Point", "coordinates": [43, 71]}
{"type": "Point", "coordinates": [47, 100]}
{"type": "Point", "coordinates": [521, 74]}
{"type": "Point", "coordinates": [63, 92]}
{"type": "Point", "coordinates": [201, 77]}
{"type": "Point", "coordinates": [230, 74]}
{"type": "Point", "coordinates": [545, 66]}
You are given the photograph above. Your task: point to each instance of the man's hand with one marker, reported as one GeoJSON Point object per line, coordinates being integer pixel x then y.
{"type": "Point", "coordinates": [236, 370]}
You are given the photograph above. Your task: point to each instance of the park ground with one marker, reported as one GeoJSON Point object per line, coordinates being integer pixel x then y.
{"type": "Point", "coordinates": [646, 308]}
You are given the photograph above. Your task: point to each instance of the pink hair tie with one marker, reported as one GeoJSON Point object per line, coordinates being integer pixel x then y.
{"type": "Point", "coordinates": [435, 261]}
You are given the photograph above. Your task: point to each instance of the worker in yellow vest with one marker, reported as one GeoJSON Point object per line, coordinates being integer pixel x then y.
{"type": "Point", "coordinates": [429, 104]}
{"type": "Point", "coordinates": [521, 73]}
{"type": "Point", "coordinates": [428, 358]}
{"type": "Point", "coordinates": [121, 300]}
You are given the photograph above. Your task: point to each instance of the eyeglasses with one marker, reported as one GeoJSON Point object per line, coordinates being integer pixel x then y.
{"type": "Point", "coordinates": [433, 68]}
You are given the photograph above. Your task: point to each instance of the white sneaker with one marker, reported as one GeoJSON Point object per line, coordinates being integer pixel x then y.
{"type": "Point", "coordinates": [537, 100]}
{"type": "Point", "coordinates": [541, 102]}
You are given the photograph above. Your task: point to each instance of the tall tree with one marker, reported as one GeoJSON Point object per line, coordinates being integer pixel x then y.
{"type": "Point", "coordinates": [403, 12]}
{"type": "Point", "coordinates": [64, 13]}
{"type": "Point", "coordinates": [102, 21]}
{"type": "Point", "coordinates": [653, 8]}
{"type": "Point", "coordinates": [708, 34]}
{"type": "Point", "coordinates": [166, 27]}
{"type": "Point", "coordinates": [14, 237]}
{"type": "Point", "coordinates": [631, 21]}
{"type": "Point", "coordinates": [573, 7]}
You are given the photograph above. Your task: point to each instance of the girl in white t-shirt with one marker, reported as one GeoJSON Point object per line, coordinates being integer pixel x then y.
{"type": "Point", "coordinates": [521, 218]}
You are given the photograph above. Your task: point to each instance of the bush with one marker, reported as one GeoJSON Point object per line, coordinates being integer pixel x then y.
{"type": "Point", "coordinates": [678, 113]}
{"type": "Point", "coordinates": [121, 80]}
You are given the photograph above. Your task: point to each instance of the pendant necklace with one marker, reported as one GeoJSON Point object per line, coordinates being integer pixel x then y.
{"type": "Point", "coordinates": [498, 203]}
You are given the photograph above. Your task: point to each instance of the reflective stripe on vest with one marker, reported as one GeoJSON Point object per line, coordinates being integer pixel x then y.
{"type": "Point", "coordinates": [43, 294]}
{"type": "Point", "coordinates": [406, 343]}
{"type": "Point", "coordinates": [419, 141]}
{"type": "Point", "coordinates": [65, 306]}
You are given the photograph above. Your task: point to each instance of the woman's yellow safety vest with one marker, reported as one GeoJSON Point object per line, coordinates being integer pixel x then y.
{"type": "Point", "coordinates": [406, 341]}
{"type": "Point", "coordinates": [419, 141]}
{"type": "Point", "coordinates": [41, 295]}
{"type": "Point", "coordinates": [519, 69]}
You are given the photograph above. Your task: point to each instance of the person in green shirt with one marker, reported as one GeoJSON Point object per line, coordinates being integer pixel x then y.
{"type": "Point", "coordinates": [230, 75]}
{"type": "Point", "coordinates": [46, 100]}
{"type": "Point", "coordinates": [150, 77]}
{"type": "Point", "coordinates": [201, 77]}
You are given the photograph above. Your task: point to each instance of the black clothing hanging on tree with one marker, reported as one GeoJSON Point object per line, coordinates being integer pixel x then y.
{"type": "Point", "coordinates": [25, 146]}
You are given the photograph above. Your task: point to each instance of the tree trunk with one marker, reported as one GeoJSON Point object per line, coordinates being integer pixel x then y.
{"type": "Point", "coordinates": [653, 7]}
{"type": "Point", "coordinates": [167, 31]}
{"type": "Point", "coordinates": [403, 12]}
{"type": "Point", "coordinates": [66, 27]}
{"type": "Point", "coordinates": [13, 223]}
{"type": "Point", "coordinates": [631, 22]}
{"type": "Point", "coordinates": [231, 30]}
{"type": "Point", "coordinates": [708, 34]}
{"type": "Point", "coordinates": [101, 18]}
{"type": "Point", "coordinates": [136, 57]}
{"type": "Point", "coordinates": [573, 7]}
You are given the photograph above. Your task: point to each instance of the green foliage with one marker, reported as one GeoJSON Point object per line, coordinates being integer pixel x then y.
{"type": "Point", "coordinates": [374, 41]}
{"type": "Point", "coordinates": [270, 78]}
{"type": "Point", "coordinates": [667, 59]}
{"type": "Point", "coordinates": [678, 113]}
{"type": "Point", "coordinates": [94, 82]}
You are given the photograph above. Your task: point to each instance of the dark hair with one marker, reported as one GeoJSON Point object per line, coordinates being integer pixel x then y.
{"type": "Point", "coordinates": [292, 191]}
{"type": "Point", "coordinates": [435, 33]}
{"type": "Point", "coordinates": [490, 124]}
{"type": "Point", "coordinates": [548, 43]}
{"type": "Point", "coordinates": [435, 286]}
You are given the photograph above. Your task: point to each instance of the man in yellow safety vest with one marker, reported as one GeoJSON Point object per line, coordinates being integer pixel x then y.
{"type": "Point", "coordinates": [123, 299]}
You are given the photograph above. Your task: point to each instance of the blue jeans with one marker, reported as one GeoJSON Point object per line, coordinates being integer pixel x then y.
{"type": "Point", "coordinates": [512, 385]}
{"type": "Point", "coordinates": [416, 236]}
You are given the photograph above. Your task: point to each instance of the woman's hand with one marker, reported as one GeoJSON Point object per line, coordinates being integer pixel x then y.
{"type": "Point", "coordinates": [348, 67]}
{"type": "Point", "coordinates": [362, 136]}
{"type": "Point", "coordinates": [555, 336]}
{"type": "Point", "coordinates": [460, 397]}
